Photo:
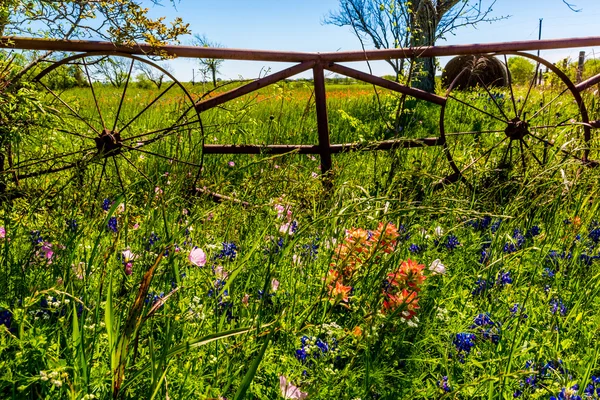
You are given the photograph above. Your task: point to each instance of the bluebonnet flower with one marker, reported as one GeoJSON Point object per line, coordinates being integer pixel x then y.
{"type": "Point", "coordinates": [106, 204]}
{"type": "Point", "coordinates": [313, 346]}
{"type": "Point", "coordinates": [443, 384]}
{"type": "Point", "coordinates": [414, 248]}
{"type": "Point", "coordinates": [515, 309]}
{"type": "Point", "coordinates": [452, 242]}
{"type": "Point", "coordinates": [480, 287]}
{"type": "Point", "coordinates": [533, 232]}
{"type": "Point", "coordinates": [495, 226]}
{"type": "Point", "coordinates": [593, 389]}
{"type": "Point", "coordinates": [6, 318]}
{"type": "Point", "coordinates": [324, 347]}
{"type": "Point", "coordinates": [485, 256]}
{"type": "Point", "coordinates": [489, 329]}
{"type": "Point", "coordinates": [480, 224]}
{"type": "Point", "coordinates": [464, 342]}
{"type": "Point", "coordinates": [36, 238]}
{"type": "Point", "coordinates": [567, 394]}
{"type": "Point", "coordinates": [516, 244]}
{"type": "Point", "coordinates": [557, 305]}
{"type": "Point", "coordinates": [587, 260]}
{"type": "Point", "coordinates": [152, 298]}
{"type": "Point", "coordinates": [310, 249]}
{"type": "Point", "coordinates": [553, 367]}
{"type": "Point", "coordinates": [301, 354]}
{"type": "Point", "coordinates": [112, 224]}
{"type": "Point", "coordinates": [504, 278]}
{"type": "Point", "coordinates": [152, 240]}
{"type": "Point", "coordinates": [294, 226]}
{"type": "Point", "coordinates": [548, 273]}
{"type": "Point", "coordinates": [483, 319]}
{"type": "Point", "coordinates": [72, 225]}
{"type": "Point", "coordinates": [229, 251]}
{"type": "Point", "coordinates": [595, 235]}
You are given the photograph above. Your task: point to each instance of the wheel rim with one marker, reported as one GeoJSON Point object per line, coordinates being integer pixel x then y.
{"type": "Point", "coordinates": [110, 136]}
{"type": "Point", "coordinates": [514, 131]}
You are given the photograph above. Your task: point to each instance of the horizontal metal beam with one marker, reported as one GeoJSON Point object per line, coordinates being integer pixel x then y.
{"type": "Point", "coordinates": [314, 149]}
{"type": "Point", "coordinates": [252, 86]}
{"type": "Point", "coordinates": [387, 84]}
{"type": "Point", "coordinates": [388, 145]}
{"type": "Point", "coordinates": [288, 56]}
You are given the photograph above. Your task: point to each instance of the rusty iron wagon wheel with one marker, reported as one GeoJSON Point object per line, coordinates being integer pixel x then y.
{"type": "Point", "coordinates": [114, 135]}
{"type": "Point", "coordinates": [516, 131]}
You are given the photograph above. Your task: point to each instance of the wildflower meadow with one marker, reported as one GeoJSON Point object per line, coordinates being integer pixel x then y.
{"type": "Point", "coordinates": [371, 282]}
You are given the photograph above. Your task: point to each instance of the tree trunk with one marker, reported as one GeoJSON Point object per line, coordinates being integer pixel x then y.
{"type": "Point", "coordinates": [214, 75]}
{"type": "Point", "coordinates": [424, 23]}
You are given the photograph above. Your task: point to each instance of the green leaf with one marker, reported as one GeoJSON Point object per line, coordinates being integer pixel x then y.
{"type": "Point", "coordinates": [241, 393]}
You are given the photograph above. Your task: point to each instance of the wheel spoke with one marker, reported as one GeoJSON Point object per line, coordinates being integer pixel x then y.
{"type": "Point", "coordinates": [474, 133]}
{"type": "Point", "coordinates": [483, 155]}
{"type": "Point", "coordinates": [552, 144]}
{"type": "Point", "coordinates": [532, 153]}
{"type": "Point", "coordinates": [548, 104]}
{"type": "Point", "coordinates": [508, 148]}
{"type": "Point", "coordinates": [478, 109]}
{"type": "Point", "coordinates": [118, 174]}
{"type": "Point", "coordinates": [535, 76]}
{"type": "Point", "coordinates": [74, 134]}
{"type": "Point", "coordinates": [123, 95]}
{"type": "Point", "coordinates": [75, 113]}
{"type": "Point", "coordinates": [512, 95]}
{"type": "Point", "coordinates": [94, 94]}
{"type": "Point", "coordinates": [101, 176]}
{"type": "Point", "coordinates": [135, 166]}
{"type": "Point", "coordinates": [42, 160]}
{"type": "Point", "coordinates": [172, 127]}
{"type": "Point", "coordinates": [522, 155]}
{"type": "Point", "coordinates": [162, 156]}
{"type": "Point", "coordinates": [492, 97]}
{"type": "Point", "coordinates": [147, 107]}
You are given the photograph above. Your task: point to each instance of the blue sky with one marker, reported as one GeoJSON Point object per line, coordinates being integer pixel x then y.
{"type": "Point", "coordinates": [296, 25]}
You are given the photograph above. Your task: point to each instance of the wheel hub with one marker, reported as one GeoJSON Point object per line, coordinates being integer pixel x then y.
{"type": "Point", "coordinates": [517, 129]}
{"type": "Point", "coordinates": [108, 143]}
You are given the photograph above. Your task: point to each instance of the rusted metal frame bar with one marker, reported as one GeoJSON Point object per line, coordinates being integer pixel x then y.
{"type": "Point", "coordinates": [286, 56]}
{"type": "Point", "coordinates": [588, 83]}
{"type": "Point", "coordinates": [322, 119]}
{"type": "Point", "coordinates": [253, 86]}
{"type": "Point", "coordinates": [387, 84]}
{"type": "Point", "coordinates": [388, 145]}
{"type": "Point", "coordinates": [257, 149]}
{"type": "Point", "coordinates": [315, 149]}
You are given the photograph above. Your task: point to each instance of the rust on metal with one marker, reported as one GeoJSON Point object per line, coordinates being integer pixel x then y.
{"type": "Point", "coordinates": [253, 86]}
{"type": "Point", "coordinates": [322, 120]}
{"type": "Point", "coordinates": [257, 149]}
{"type": "Point", "coordinates": [387, 145]}
{"type": "Point", "coordinates": [387, 84]}
{"type": "Point", "coordinates": [588, 83]}
{"type": "Point", "coordinates": [288, 56]}
{"type": "Point", "coordinates": [315, 149]}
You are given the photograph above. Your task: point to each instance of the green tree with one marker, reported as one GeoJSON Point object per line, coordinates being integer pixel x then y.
{"type": "Point", "coordinates": [521, 70]}
{"type": "Point", "coordinates": [409, 23]}
{"type": "Point", "coordinates": [208, 65]}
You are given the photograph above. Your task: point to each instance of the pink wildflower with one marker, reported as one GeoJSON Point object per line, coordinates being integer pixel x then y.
{"type": "Point", "coordinates": [289, 391]}
{"type": "Point", "coordinates": [274, 285]}
{"type": "Point", "coordinates": [197, 257]}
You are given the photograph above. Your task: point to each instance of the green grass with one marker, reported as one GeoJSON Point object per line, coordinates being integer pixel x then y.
{"type": "Point", "coordinates": [81, 326]}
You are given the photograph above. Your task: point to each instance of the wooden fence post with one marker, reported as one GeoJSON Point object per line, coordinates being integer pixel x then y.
{"type": "Point", "coordinates": [580, 66]}
{"type": "Point", "coordinates": [322, 120]}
